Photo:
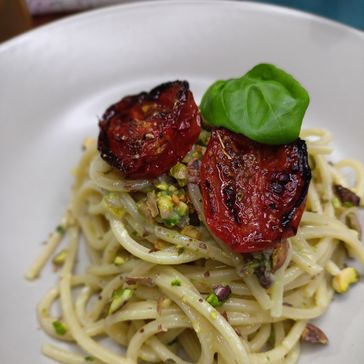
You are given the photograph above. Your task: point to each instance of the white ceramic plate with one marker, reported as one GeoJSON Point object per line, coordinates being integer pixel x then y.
{"type": "Point", "coordinates": [55, 81]}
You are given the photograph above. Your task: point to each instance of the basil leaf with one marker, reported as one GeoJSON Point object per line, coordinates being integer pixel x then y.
{"type": "Point", "coordinates": [266, 105]}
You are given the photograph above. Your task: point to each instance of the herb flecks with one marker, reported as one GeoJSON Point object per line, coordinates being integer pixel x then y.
{"type": "Point", "coordinates": [59, 327]}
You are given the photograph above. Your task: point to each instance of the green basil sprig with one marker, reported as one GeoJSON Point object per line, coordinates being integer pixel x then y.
{"type": "Point", "coordinates": [266, 105]}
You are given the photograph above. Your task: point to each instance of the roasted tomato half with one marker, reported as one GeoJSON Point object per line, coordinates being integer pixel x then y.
{"type": "Point", "coordinates": [253, 194]}
{"type": "Point", "coordinates": [144, 135]}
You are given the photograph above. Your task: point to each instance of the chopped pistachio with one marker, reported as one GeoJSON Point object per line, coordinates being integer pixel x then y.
{"type": "Point", "coordinates": [59, 327]}
{"type": "Point", "coordinates": [222, 292]}
{"type": "Point", "coordinates": [165, 206]}
{"type": "Point", "coordinates": [61, 230]}
{"type": "Point", "coordinates": [176, 283]}
{"type": "Point", "coordinates": [60, 258]}
{"type": "Point", "coordinates": [204, 137]}
{"type": "Point", "coordinates": [180, 173]}
{"type": "Point", "coordinates": [172, 188]}
{"type": "Point", "coordinates": [346, 196]}
{"type": "Point", "coordinates": [182, 208]}
{"type": "Point", "coordinates": [336, 202]}
{"type": "Point", "coordinates": [172, 220]}
{"type": "Point", "coordinates": [119, 260]}
{"type": "Point", "coordinates": [344, 279]}
{"type": "Point", "coordinates": [163, 186]}
{"type": "Point", "coordinates": [89, 358]}
{"type": "Point", "coordinates": [314, 335]}
{"type": "Point", "coordinates": [110, 201]}
{"type": "Point", "coordinates": [213, 300]}
{"type": "Point", "coordinates": [119, 297]}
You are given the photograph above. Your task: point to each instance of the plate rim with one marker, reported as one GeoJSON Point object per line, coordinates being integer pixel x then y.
{"type": "Point", "coordinates": [104, 11]}
{"type": "Point", "coordinates": [90, 17]}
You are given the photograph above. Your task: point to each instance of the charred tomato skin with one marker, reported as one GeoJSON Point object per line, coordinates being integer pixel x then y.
{"type": "Point", "coordinates": [144, 135]}
{"type": "Point", "coordinates": [253, 194]}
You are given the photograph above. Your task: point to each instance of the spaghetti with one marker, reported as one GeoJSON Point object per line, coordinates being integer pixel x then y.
{"type": "Point", "coordinates": [146, 286]}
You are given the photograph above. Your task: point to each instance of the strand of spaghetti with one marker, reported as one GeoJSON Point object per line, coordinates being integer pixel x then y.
{"type": "Point", "coordinates": [140, 311]}
{"type": "Point", "coordinates": [160, 257]}
{"type": "Point", "coordinates": [208, 312]}
{"type": "Point", "coordinates": [293, 355]}
{"type": "Point", "coordinates": [359, 171]}
{"type": "Point", "coordinates": [242, 305]}
{"type": "Point", "coordinates": [76, 330]}
{"type": "Point", "coordinates": [105, 177]}
{"type": "Point", "coordinates": [171, 336]}
{"type": "Point", "coordinates": [190, 345]}
{"type": "Point", "coordinates": [163, 352]}
{"type": "Point", "coordinates": [49, 248]}
{"type": "Point", "coordinates": [348, 237]}
{"type": "Point", "coordinates": [86, 192]}
{"type": "Point", "coordinates": [326, 179]}
{"type": "Point", "coordinates": [240, 319]}
{"type": "Point", "coordinates": [209, 275]}
{"type": "Point", "coordinates": [305, 263]}
{"type": "Point", "coordinates": [324, 295]}
{"type": "Point", "coordinates": [279, 333]}
{"type": "Point", "coordinates": [67, 357]}
{"type": "Point", "coordinates": [247, 330]}
{"type": "Point", "coordinates": [258, 292]}
{"type": "Point", "coordinates": [221, 348]}
{"type": "Point", "coordinates": [111, 269]}
{"type": "Point", "coordinates": [145, 352]}
{"type": "Point", "coordinates": [93, 229]}
{"type": "Point", "coordinates": [310, 218]}
{"type": "Point", "coordinates": [260, 339]}
{"type": "Point", "coordinates": [153, 327]}
{"type": "Point", "coordinates": [112, 285]}
{"type": "Point", "coordinates": [195, 245]}
{"type": "Point", "coordinates": [81, 172]}
{"type": "Point", "coordinates": [278, 353]}
{"type": "Point", "coordinates": [309, 313]}
{"type": "Point", "coordinates": [313, 199]}
{"type": "Point", "coordinates": [319, 149]}
{"type": "Point", "coordinates": [316, 136]}
{"type": "Point", "coordinates": [202, 328]}
{"type": "Point", "coordinates": [80, 304]}
{"type": "Point", "coordinates": [332, 268]}
{"type": "Point", "coordinates": [44, 318]}
{"type": "Point", "coordinates": [277, 288]}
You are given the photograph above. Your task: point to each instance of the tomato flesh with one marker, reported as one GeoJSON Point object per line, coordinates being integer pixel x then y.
{"type": "Point", "coordinates": [253, 194]}
{"type": "Point", "coordinates": [144, 135]}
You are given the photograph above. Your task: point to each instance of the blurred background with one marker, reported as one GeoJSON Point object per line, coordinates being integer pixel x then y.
{"type": "Point", "coordinates": [17, 16]}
